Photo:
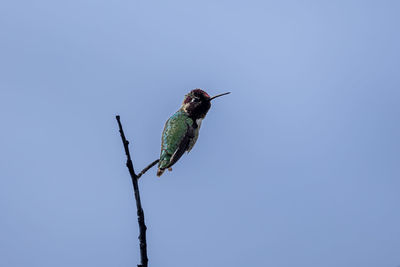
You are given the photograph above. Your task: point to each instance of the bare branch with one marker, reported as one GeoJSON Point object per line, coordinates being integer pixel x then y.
{"type": "Point", "coordinates": [142, 226]}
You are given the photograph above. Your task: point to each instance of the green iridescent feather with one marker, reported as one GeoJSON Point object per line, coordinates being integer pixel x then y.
{"type": "Point", "coordinates": [175, 131]}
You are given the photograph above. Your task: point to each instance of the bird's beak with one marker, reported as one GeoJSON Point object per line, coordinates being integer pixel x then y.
{"type": "Point", "coordinates": [219, 95]}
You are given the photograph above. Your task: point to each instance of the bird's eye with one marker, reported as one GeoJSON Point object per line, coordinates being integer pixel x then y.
{"type": "Point", "coordinates": [195, 99]}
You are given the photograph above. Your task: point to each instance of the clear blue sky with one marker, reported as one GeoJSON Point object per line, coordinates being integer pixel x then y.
{"type": "Point", "coordinates": [299, 166]}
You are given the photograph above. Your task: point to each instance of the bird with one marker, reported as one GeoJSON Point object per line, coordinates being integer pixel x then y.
{"type": "Point", "coordinates": [181, 130]}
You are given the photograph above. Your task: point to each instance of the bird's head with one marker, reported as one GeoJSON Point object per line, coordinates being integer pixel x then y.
{"type": "Point", "coordinates": [197, 103]}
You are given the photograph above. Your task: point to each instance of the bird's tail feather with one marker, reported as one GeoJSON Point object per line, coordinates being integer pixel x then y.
{"type": "Point", "coordinates": [160, 172]}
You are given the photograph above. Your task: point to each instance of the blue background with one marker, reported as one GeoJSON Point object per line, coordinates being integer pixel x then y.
{"type": "Point", "coordinates": [299, 166]}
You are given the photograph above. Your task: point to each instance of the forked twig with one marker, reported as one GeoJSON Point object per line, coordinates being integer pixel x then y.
{"type": "Point", "coordinates": [142, 226]}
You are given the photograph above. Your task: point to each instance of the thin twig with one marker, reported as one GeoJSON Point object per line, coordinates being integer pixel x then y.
{"type": "Point", "coordinates": [147, 168]}
{"type": "Point", "coordinates": [142, 226]}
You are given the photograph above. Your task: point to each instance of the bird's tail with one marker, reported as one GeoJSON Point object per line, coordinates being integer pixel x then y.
{"type": "Point", "coordinates": [160, 172]}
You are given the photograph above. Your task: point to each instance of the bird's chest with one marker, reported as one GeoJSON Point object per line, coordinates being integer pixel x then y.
{"type": "Point", "coordinates": [195, 130]}
{"type": "Point", "coordinates": [196, 126]}
{"type": "Point", "coordinates": [197, 123]}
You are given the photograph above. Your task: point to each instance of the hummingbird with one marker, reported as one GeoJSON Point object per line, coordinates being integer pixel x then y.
{"type": "Point", "coordinates": [182, 129]}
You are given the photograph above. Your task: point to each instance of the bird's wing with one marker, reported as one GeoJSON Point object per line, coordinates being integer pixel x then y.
{"type": "Point", "coordinates": [175, 139]}
{"type": "Point", "coordinates": [183, 146]}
